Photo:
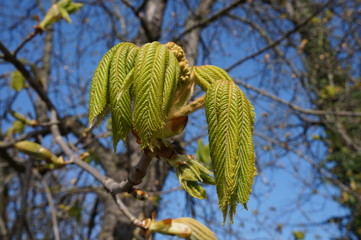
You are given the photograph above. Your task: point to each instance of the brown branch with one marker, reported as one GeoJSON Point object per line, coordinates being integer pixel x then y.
{"type": "Point", "coordinates": [135, 177]}
{"type": "Point", "coordinates": [8, 56]}
{"type": "Point", "coordinates": [26, 40]}
{"type": "Point", "coordinates": [51, 205]}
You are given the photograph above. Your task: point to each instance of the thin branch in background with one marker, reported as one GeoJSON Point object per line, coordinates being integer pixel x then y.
{"type": "Point", "coordinates": [158, 193]}
{"type": "Point", "coordinates": [135, 177]}
{"type": "Point", "coordinates": [301, 154]}
{"type": "Point", "coordinates": [92, 217]}
{"type": "Point", "coordinates": [127, 213]}
{"type": "Point", "coordinates": [53, 211]}
{"type": "Point", "coordinates": [17, 230]}
{"type": "Point", "coordinates": [8, 56]}
{"type": "Point", "coordinates": [209, 20]}
{"type": "Point", "coordinates": [298, 108]}
{"type": "Point", "coordinates": [278, 41]}
{"type": "Point", "coordinates": [26, 40]}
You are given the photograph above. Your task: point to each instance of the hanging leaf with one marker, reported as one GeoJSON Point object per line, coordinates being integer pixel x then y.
{"type": "Point", "coordinates": [230, 125]}
{"type": "Point", "coordinates": [99, 86]}
{"type": "Point", "coordinates": [155, 77]}
{"type": "Point", "coordinates": [17, 81]}
{"type": "Point", "coordinates": [206, 75]}
{"type": "Point", "coordinates": [119, 80]}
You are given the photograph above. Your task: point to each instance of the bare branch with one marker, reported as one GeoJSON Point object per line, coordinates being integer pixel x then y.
{"type": "Point", "coordinates": [51, 205]}
{"type": "Point", "coordinates": [278, 41]}
{"type": "Point", "coordinates": [209, 20]}
{"type": "Point", "coordinates": [26, 40]}
{"type": "Point", "coordinates": [298, 108]}
{"type": "Point", "coordinates": [8, 56]}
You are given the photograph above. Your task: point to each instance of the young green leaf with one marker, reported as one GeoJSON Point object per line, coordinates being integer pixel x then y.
{"type": "Point", "coordinates": [155, 77]}
{"type": "Point", "coordinates": [57, 11]}
{"type": "Point", "coordinates": [99, 86]}
{"type": "Point", "coordinates": [121, 67]}
{"type": "Point", "coordinates": [17, 81]}
{"type": "Point", "coordinates": [206, 75]}
{"type": "Point", "coordinates": [230, 124]}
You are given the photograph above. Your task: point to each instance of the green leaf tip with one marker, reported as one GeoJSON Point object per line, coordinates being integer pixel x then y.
{"type": "Point", "coordinates": [230, 120]}
{"type": "Point", "coordinates": [206, 75]}
{"type": "Point", "coordinates": [98, 98]}
{"type": "Point", "coordinates": [156, 74]}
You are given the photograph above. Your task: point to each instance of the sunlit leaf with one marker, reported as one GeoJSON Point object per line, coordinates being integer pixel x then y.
{"type": "Point", "coordinates": [99, 86]}
{"type": "Point", "coordinates": [230, 125]}
{"type": "Point", "coordinates": [155, 77]}
{"type": "Point", "coordinates": [298, 235]}
{"type": "Point", "coordinates": [206, 75]}
{"type": "Point", "coordinates": [120, 71]}
{"type": "Point", "coordinates": [17, 81]}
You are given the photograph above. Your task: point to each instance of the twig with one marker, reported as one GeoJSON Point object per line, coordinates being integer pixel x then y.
{"type": "Point", "coordinates": [51, 205]}
{"type": "Point", "coordinates": [158, 193]}
{"type": "Point", "coordinates": [320, 170]}
{"type": "Point", "coordinates": [125, 211]}
{"type": "Point", "coordinates": [26, 40]}
{"type": "Point", "coordinates": [8, 56]}
{"type": "Point", "coordinates": [191, 107]}
{"type": "Point", "coordinates": [135, 177]}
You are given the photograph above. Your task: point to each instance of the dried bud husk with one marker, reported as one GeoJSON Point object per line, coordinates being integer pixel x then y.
{"type": "Point", "coordinates": [170, 227]}
{"type": "Point", "coordinates": [174, 126]}
{"type": "Point", "coordinates": [187, 228]}
{"type": "Point", "coordinates": [139, 194]}
{"type": "Point", "coordinates": [199, 231]}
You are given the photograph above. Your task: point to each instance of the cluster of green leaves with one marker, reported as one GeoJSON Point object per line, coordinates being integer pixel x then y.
{"type": "Point", "coordinates": [146, 87]}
